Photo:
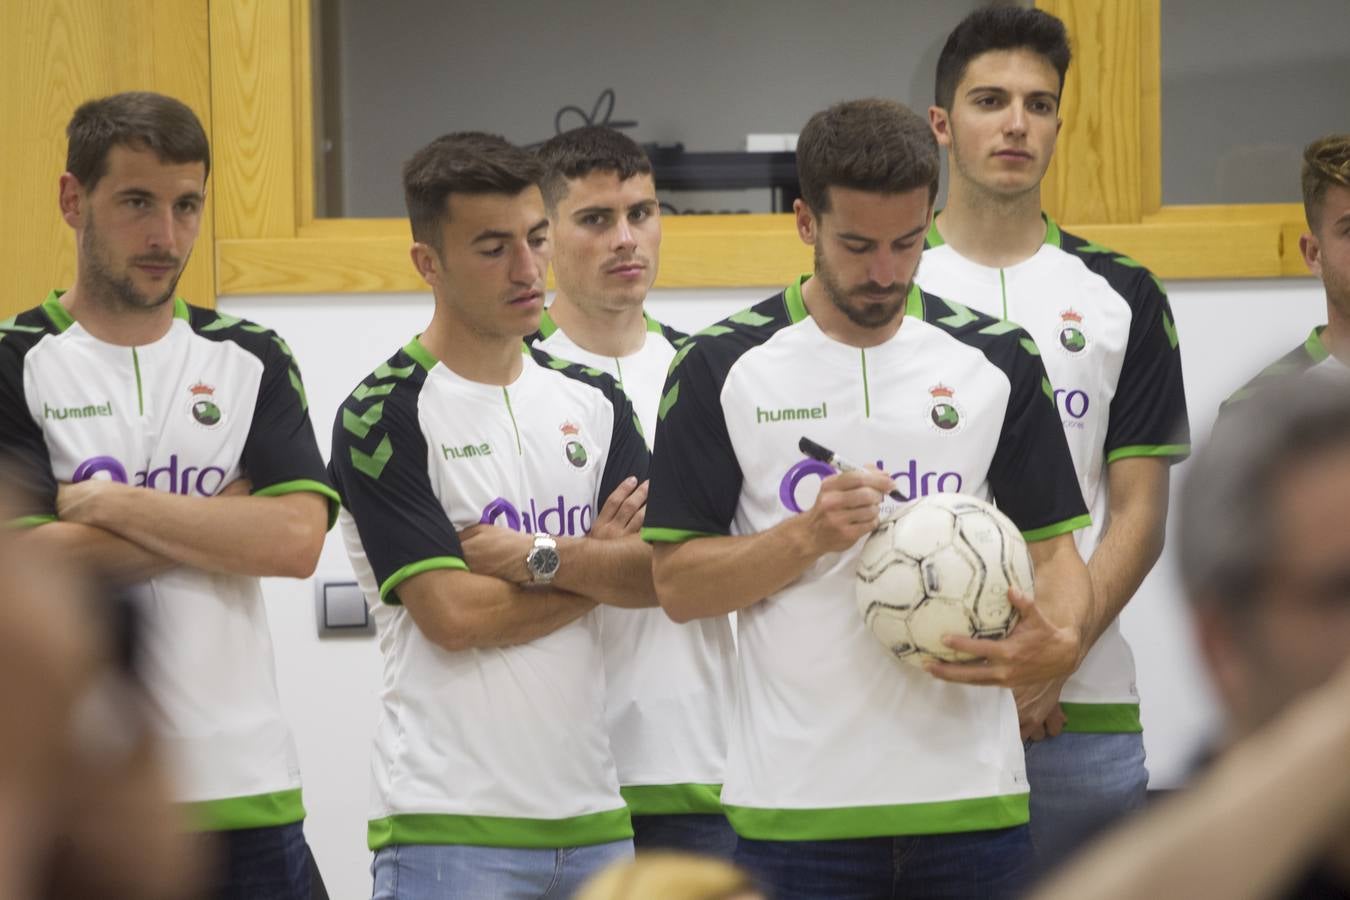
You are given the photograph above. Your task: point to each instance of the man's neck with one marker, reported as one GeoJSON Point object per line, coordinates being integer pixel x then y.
{"type": "Point", "coordinates": [839, 327]}
{"type": "Point", "coordinates": [1336, 336]}
{"type": "Point", "coordinates": [604, 332]}
{"type": "Point", "coordinates": [116, 324]}
{"type": "Point", "coordinates": [486, 359]}
{"type": "Point", "coordinates": [989, 229]}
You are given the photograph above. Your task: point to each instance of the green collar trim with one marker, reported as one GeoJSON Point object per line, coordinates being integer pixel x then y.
{"type": "Point", "coordinates": [56, 312]}
{"type": "Point", "coordinates": [1313, 346]}
{"type": "Point", "coordinates": [914, 302]}
{"type": "Point", "coordinates": [180, 309]}
{"type": "Point", "coordinates": [652, 325]}
{"type": "Point", "coordinates": [420, 354]}
{"type": "Point", "coordinates": [1053, 236]}
{"type": "Point", "coordinates": [792, 297]}
{"type": "Point", "coordinates": [546, 325]}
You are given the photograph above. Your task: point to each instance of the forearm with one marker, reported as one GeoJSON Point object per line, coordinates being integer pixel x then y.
{"type": "Point", "coordinates": [1064, 593]}
{"type": "Point", "coordinates": [614, 572]}
{"type": "Point", "coordinates": [235, 535]}
{"type": "Point", "coordinates": [463, 611]}
{"type": "Point", "coordinates": [1129, 549]}
{"type": "Point", "coordinates": [1261, 813]}
{"type": "Point", "coordinates": [712, 576]}
{"type": "Point", "coordinates": [96, 551]}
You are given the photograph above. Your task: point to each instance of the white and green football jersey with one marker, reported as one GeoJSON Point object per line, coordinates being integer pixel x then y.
{"type": "Point", "coordinates": [1310, 359]}
{"type": "Point", "coordinates": [1110, 346]}
{"type": "Point", "coordinates": [213, 399]}
{"type": "Point", "coordinates": [668, 685]}
{"type": "Point", "coordinates": [830, 736]}
{"type": "Point", "coordinates": [501, 746]}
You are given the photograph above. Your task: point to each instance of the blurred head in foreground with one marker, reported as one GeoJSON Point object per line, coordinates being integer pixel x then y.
{"type": "Point", "coordinates": [671, 876]}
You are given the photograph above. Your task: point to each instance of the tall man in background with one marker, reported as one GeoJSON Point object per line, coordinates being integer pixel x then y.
{"type": "Point", "coordinates": [1108, 341]}
{"type": "Point", "coordinates": [170, 444]}
{"type": "Point", "coordinates": [1326, 251]}
{"type": "Point", "coordinates": [668, 685]}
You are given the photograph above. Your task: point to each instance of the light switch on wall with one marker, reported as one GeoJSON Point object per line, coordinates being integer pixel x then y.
{"type": "Point", "coordinates": [340, 609]}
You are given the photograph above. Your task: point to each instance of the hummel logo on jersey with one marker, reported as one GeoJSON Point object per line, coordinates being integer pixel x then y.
{"type": "Point", "coordinates": [88, 411]}
{"type": "Point", "coordinates": [791, 414]}
{"type": "Point", "coordinates": [467, 451]}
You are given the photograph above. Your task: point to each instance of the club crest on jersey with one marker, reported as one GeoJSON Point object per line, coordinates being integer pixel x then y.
{"type": "Point", "coordinates": [574, 450]}
{"type": "Point", "coordinates": [944, 414]}
{"type": "Point", "coordinates": [1071, 335]}
{"type": "Point", "coordinates": [204, 406]}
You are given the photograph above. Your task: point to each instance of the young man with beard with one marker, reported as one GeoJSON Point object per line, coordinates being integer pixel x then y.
{"type": "Point", "coordinates": [116, 386]}
{"type": "Point", "coordinates": [470, 475]}
{"type": "Point", "coordinates": [1110, 347]}
{"type": "Point", "coordinates": [668, 685]}
{"type": "Point", "coordinates": [1326, 251]}
{"type": "Point", "coordinates": [848, 774]}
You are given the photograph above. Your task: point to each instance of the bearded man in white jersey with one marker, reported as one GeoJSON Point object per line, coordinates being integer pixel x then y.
{"type": "Point", "coordinates": [1109, 342]}
{"type": "Point", "coordinates": [668, 685]}
{"type": "Point", "coordinates": [169, 446]}
{"type": "Point", "coordinates": [849, 774]}
{"type": "Point", "coordinates": [472, 471]}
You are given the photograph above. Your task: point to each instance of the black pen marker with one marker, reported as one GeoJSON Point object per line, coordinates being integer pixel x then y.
{"type": "Point", "coordinates": [830, 458]}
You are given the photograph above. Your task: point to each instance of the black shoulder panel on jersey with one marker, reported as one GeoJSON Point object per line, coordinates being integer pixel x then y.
{"type": "Point", "coordinates": [1291, 365]}
{"type": "Point", "coordinates": [23, 449]}
{"type": "Point", "coordinates": [673, 336]}
{"type": "Point", "coordinates": [628, 454]}
{"type": "Point", "coordinates": [1127, 277]}
{"type": "Point", "coordinates": [1002, 342]}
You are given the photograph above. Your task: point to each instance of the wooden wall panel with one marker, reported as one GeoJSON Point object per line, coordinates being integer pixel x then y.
{"type": "Point", "coordinates": [54, 55]}
{"type": "Point", "coordinates": [1098, 173]}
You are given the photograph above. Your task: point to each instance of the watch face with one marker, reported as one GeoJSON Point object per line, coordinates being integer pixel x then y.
{"type": "Point", "coordinates": [544, 560]}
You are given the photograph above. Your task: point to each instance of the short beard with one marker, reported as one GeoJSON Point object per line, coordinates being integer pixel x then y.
{"type": "Point", "coordinates": [98, 276]}
{"type": "Point", "coordinates": [871, 315]}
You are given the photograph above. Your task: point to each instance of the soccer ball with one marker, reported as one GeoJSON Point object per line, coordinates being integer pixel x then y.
{"type": "Point", "coordinates": [941, 566]}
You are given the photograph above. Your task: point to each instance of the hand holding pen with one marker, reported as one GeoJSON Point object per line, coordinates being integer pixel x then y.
{"type": "Point", "coordinates": [830, 458]}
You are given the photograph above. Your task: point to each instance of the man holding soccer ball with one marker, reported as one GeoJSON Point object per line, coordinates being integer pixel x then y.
{"type": "Point", "coordinates": [849, 775]}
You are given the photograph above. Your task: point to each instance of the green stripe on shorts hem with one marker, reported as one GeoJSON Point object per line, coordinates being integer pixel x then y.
{"type": "Point", "coordinates": [840, 823]}
{"type": "Point", "coordinates": [500, 831]}
{"type": "Point", "coordinates": [1102, 718]}
{"type": "Point", "coordinates": [672, 799]}
{"type": "Point", "coordinates": [256, 811]}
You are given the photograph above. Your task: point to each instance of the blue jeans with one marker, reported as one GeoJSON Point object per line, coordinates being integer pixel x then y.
{"type": "Point", "coordinates": [964, 866]}
{"type": "Point", "coordinates": [708, 834]}
{"type": "Point", "coordinates": [462, 872]}
{"type": "Point", "coordinates": [262, 864]}
{"type": "Point", "coordinates": [1080, 784]}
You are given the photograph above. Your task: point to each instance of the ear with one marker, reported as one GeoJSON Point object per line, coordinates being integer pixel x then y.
{"type": "Point", "coordinates": [941, 123]}
{"type": "Point", "coordinates": [806, 222]}
{"type": "Point", "coordinates": [426, 262]}
{"type": "Point", "coordinates": [71, 197]}
{"type": "Point", "coordinates": [1311, 249]}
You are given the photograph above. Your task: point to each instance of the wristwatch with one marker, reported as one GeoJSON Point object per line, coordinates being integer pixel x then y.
{"type": "Point", "coordinates": [542, 560]}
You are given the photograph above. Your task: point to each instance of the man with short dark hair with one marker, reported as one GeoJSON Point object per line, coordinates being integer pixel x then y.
{"type": "Point", "coordinates": [1104, 326]}
{"type": "Point", "coordinates": [1326, 251]}
{"type": "Point", "coordinates": [472, 478]}
{"type": "Point", "coordinates": [668, 686]}
{"type": "Point", "coordinates": [849, 774]}
{"type": "Point", "coordinates": [116, 386]}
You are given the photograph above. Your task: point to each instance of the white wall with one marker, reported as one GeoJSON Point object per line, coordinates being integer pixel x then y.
{"type": "Point", "coordinates": [329, 688]}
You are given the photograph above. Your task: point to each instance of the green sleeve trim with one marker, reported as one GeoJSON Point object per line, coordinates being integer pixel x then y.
{"type": "Point", "coordinates": [420, 354]}
{"type": "Point", "coordinates": [843, 823]}
{"type": "Point", "coordinates": [792, 297]}
{"type": "Point", "coordinates": [547, 326]}
{"type": "Point", "coordinates": [500, 831]}
{"type": "Point", "coordinates": [1177, 450]}
{"type": "Point", "coordinates": [257, 811]}
{"type": "Point", "coordinates": [1102, 718]}
{"type": "Point", "coordinates": [1065, 527]}
{"type": "Point", "coordinates": [417, 568]}
{"type": "Point", "coordinates": [672, 799]}
{"type": "Point", "coordinates": [29, 522]}
{"type": "Point", "coordinates": [56, 312]}
{"type": "Point", "coordinates": [673, 535]}
{"type": "Point", "coordinates": [305, 485]}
